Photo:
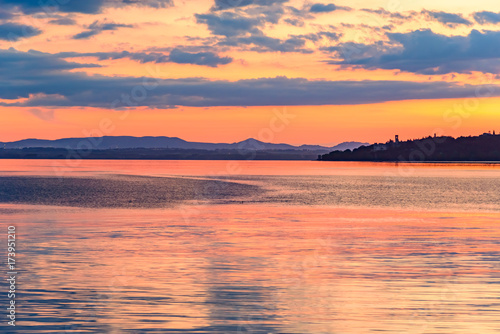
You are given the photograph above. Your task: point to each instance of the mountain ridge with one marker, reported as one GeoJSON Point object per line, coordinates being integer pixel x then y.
{"type": "Point", "coordinates": [162, 142]}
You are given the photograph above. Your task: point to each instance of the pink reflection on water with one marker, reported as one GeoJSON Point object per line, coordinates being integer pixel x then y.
{"type": "Point", "coordinates": [243, 167]}
{"type": "Point", "coordinates": [233, 268]}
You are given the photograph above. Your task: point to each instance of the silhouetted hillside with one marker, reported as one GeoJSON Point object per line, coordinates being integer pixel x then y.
{"type": "Point", "coordinates": [157, 154]}
{"type": "Point", "coordinates": [129, 142]}
{"type": "Point", "coordinates": [485, 147]}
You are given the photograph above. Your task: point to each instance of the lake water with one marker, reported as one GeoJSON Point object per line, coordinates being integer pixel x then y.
{"type": "Point", "coordinates": [252, 246]}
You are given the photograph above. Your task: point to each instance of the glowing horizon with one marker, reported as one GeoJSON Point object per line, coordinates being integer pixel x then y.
{"type": "Point", "coordinates": [219, 71]}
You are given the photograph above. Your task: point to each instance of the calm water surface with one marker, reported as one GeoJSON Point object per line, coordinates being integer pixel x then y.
{"type": "Point", "coordinates": [253, 247]}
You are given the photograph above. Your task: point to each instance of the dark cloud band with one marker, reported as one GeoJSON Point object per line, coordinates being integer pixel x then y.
{"type": "Point", "coordinates": [43, 79]}
{"type": "Point", "coordinates": [78, 6]}
{"type": "Point", "coordinates": [13, 32]}
{"type": "Point", "coordinates": [176, 56]}
{"type": "Point", "coordinates": [426, 52]}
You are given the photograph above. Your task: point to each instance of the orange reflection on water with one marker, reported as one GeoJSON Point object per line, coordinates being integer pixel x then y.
{"type": "Point", "coordinates": [70, 167]}
{"type": "Point", "coordinates": [261, 268]}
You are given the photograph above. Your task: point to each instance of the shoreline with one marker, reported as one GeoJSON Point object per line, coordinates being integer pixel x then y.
{"type": "Point", "coordinates": [490, 162]}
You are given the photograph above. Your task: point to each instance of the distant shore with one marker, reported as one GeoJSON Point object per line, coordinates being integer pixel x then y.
{"type": "Point", "coordinates": [157, 154]}
{"type": "Point", "coordinates": [483, 148]}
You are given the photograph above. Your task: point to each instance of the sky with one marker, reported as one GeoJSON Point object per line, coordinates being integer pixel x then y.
{"type": "Point", "coordinates": [282, 71]}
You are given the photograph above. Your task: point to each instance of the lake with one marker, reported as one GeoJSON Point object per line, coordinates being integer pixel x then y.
{"type": "Point", "coordinates": [252, 246]}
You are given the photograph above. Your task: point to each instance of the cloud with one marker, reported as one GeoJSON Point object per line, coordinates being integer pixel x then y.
{"type": "Point", "coordinates": [98, 27]}
{"type": "Point", "coordinates": [245, 28]}
{"type": "Point", "coordinates": [265, 14]}
{"type": "Point", "coordinates": [262, 43]}
{"type": "Point", "coordinates": [228, 24]}
{"type": "Point", "coordinates": [380, 11]}
{"type": "Point", "coordinates": [448, 19]}
{"type": "Point", "coordinates": [199, 58]}
{"type": "Point", "coordinates": [487, 17]}
{"type": "Point", "coordinates": [295, 22]}
{"type": "Point", "coordinates": [14, 32]}
{"type": "Point", "coordinates": [142, 57]}
{"type": "Point", "coordinates": [425, 52]}
{"type": "Point", "coordinates": [245, 31]}
{"type": "Point", "coordinates": [393, 15]}
{"type": "Point", "coordinates": [176, 56]}
{"type": "Point", "coordinates": [44, 80]}
{"type": "Point", "coordinates": [78, 6]}
{"type": "Point", "coordinates": [149, 3]}
{"type": "Point", "coordinates": [316, 37]}
{"type": "Point", "coordinates": [5, 15]}
{"type": "Point", "coordinates": [252, 18]}
{"type": "Point", "coordinates": [63, 21]}
{"type": "Point", "coordinates": [321, 8]}
{"type": "Point", "coordinates": [36, 6]}
{"type": "Point", "coordinates": [355, 53]}
{"type": "Point", "coordinates": [29, 65]}
{"type": "Point", "coordinates": [228, 4]}
{"type": "Point", "coordinates": [86, 34]}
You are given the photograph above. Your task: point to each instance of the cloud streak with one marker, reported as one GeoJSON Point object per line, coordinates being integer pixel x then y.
{"type": "Point", "coordinates": [229, 4]}
{"type": "Point", "coordinates": [198, 58]}
{"type": "Point", "coordinates": [426, 52]}
{"type": "Point", "coordinates": [49, 84]}
{"type": "Point", "coordinates": [98, 27]}
{"type": "Point", "coordinates": [229, 24]}
{"type": "Point", "coordinates": [246, 31]}
{"type": "Point", "coordinates": [14, 32]}
{"type": "Point", "coordinates": [448, 19]}
{"type": "Point", "coordinates": [77, 6]}
{"type": "Point", "coordinates": [321, 8]}
{"type": "Point", "coordinates": [176, 56]}
{"type": "Point", "coordinates": [486, 17]}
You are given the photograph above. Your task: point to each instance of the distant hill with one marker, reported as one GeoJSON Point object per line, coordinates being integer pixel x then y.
{"type": "Point", "coordinates": [485, 147]}
{"type": "Point", "coordinates": [160, 148]}
{"type": "Point", "coordinates": [128, 142]}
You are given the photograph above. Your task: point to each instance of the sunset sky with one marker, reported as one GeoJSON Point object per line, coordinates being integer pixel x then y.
{"type": "Point", "coordinates": [299, 72]}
